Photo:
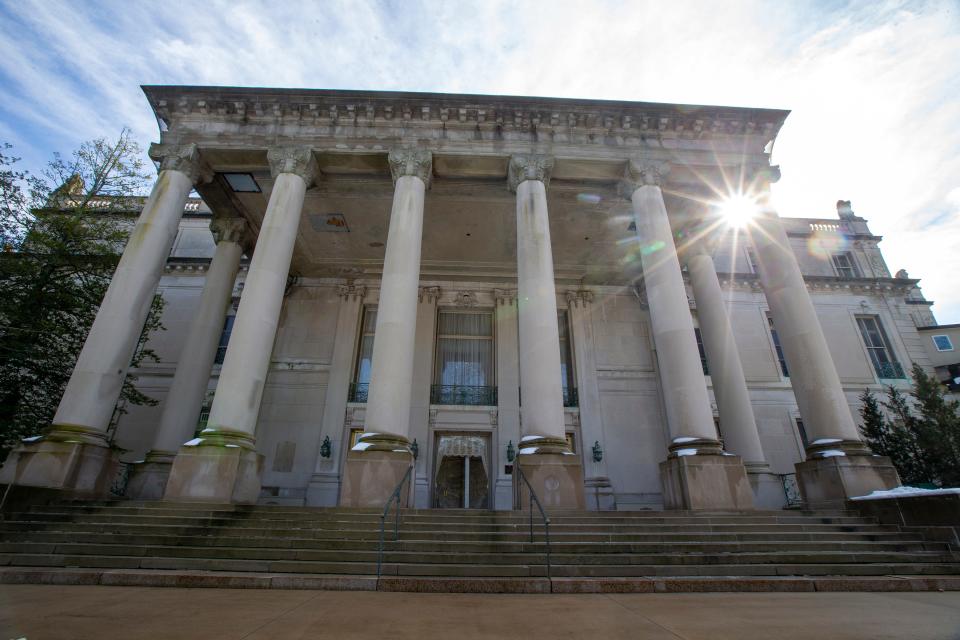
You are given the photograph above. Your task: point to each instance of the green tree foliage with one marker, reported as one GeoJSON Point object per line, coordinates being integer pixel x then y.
{"type": "Point", "coordinates": [920, 432]}
{"type": "Point", "coordinates": [62, 234]}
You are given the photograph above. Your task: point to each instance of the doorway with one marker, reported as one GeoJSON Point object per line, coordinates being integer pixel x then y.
{"type": "Point", "coordinates": [461, 471]}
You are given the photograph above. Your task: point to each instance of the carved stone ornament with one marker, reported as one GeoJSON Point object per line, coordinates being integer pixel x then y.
{"type": "Point", "coordinates": [430, 294]}
{"type": "Point", "coordinates": [504, 296]}
{"type": "Point", "coordinates": [579, 298]}
{"type": "Point", "coordinates": [641, 173]}
{"type": "Point", "coordinates": [529, 166]}
{"type": "Point", "coordinates": [351, 291]}
{"type": "Point", "coordinates": [229, 229]}
{"type": "Point", "coordinates": [296, 160]}
{"type": "Point", "coordinates": [411, 162]}
{"type": "Point", "coordinates": [183, 158]}
{"type": "Point", "coordinates": [467, 299]}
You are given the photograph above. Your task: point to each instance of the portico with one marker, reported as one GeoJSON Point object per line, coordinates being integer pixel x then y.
{"type": "Point", "coordinates": [521, 213]}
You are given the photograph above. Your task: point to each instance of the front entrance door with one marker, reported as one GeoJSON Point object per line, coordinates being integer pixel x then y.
{"type": "Point", "coordinates": [461, 471]}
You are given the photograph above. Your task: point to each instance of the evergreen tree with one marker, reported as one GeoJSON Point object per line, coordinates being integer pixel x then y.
{"type": "Point", "coordinates": [62, 235]}
{"type": "Point", "coordinates": [904, 448]}
{"type": "Point", "coordinates": [937, 428]}
{"type": "Point", "coordinates": [874, 429]}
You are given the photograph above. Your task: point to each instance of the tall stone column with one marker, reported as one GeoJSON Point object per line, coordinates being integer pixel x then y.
{"type": "Point", "coordinates": [427, 298]}
{"type": "Point", "coordinates": [382, 455]}
{"type": "Point", "coordinates": [74, 454]}
{"type": "Point", "coordinates": [508, 392]}
{"type": "Point", "coordinates": [544, 457]}
{"type": "Point", "coordinates": [839, 464]}
{"type": "Point", "coordinates": [185, 399]}
{"type": "Point", "coordinates": [222, 465]}
{"type": "Point", "coordinates": [696, 474]}
{"type": "Point", "coordinates": [737, 422]}
{"type": "Point", "coordinates": [596, 483]}
{"type": "Point", "coordinates": [324, 487]}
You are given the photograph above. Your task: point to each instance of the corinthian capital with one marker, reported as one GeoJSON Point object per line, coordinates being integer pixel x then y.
{"type": "Point", "coordinates": [641, 174]}
{"type": "Point", "coordinates": [229, 230]}
{"type": "Point", "coordinates": [183, 158]}
{"type": "Point", "coordinates": [411, 162]}
{"type": "Point", "coordinates": [529, 166]}
{"type": "Point", "coordinates": [296, 160]}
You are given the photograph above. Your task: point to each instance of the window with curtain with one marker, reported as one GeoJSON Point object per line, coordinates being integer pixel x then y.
{"type": "Point", "coordinates": [781, 359]}
{"type": "Point", "coordinates": [224, 339]}
{"type": "Point", "coordinates": [703, 353]}
{"type": "Point", "coordinates": [464, 371]}
{"type": "Point", "coordinates": [566, 362]}
{"type": "Point", "coordinates": [361, 377]}
{"type": "Point", "coordinates": [881, 355]}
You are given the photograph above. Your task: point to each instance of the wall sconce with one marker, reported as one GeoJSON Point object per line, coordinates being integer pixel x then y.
{"type": "Point", "coordinates": [326, 448]}
{"type": "Point", "coordinates": [597, 452]}
{"type": "Point", "coordinates": [511, 452]}
{"type": "Point", "coordinates": [415, 449]}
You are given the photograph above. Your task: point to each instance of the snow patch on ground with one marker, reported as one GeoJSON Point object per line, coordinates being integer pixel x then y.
{"type": "Point", "coordinates": [907, 492]}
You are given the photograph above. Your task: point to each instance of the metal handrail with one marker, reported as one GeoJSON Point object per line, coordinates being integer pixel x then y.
{"type": "Point", "coordinates": [543, 514]}
{"type": "Point", "coordinates": [383, 519]}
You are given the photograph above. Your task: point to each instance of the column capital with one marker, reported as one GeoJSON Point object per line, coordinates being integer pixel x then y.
{"type": "Point", "coordinates": [579, 298]}
{"type": "Point", "coordinates": [296, 160]}
{"type": "Point", "coordinates": [529, 166]}
{"type": "Point", "coordinates": [504, 296]}
{"type": "Point", "coordinates": [183, 158]}
{"type": "Point", "coordinates": [430, 294]}
{"type": "Point", "coordinates": [232, 229]}
{"type": "Point", "coordinates": [410, 161]}
{"type": "Point", "coordinates": [352, 291]}
{"type": "Point", "coordinates": [642, 173]}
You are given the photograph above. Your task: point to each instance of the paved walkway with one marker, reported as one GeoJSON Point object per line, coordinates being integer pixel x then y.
{"type": "Point", "coordinates": [39, 612]}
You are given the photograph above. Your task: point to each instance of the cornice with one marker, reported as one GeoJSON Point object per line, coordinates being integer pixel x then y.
{"type": "Point", "coordinates": [897, 286]}
{"type": "Point", "coordinates": [509, 113]}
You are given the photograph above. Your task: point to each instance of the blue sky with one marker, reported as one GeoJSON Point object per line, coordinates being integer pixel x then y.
{"type": "Point", "coordinates": [874, 87]}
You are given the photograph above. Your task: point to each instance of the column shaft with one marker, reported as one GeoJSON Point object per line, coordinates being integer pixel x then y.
{"type": "Point", "coordinates": [388, 406]}
{"type": "Point", "coordinates": [681, 375]}
{"type": "Point", "coordinates": [541, 390]}
{"type": "Point", "coordinates": [737, 422]}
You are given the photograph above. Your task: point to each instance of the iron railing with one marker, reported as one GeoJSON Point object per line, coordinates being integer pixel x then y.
{"type": "Point", "coordinates": [358, 392]}
{"type": "Point", "coordinates": [396, 495]}
{"type": "Point", "coordinates": [791, 490]}
{"type": "Point", "coordinates": [517, 469]}
{"type": "Point", "coordinates": [570, 397]}
{"type": "Point", "coordinates": [890, 370]}
{"type": "Point", "coordinates": [461, 394]}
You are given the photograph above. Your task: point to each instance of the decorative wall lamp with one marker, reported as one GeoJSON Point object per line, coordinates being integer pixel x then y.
{"type": "Point", "coordinates": [415, 449]}
{"type": "Point", "coordinates": [326, 448]}
{"type": "Point", "coordinates": [597, 452]}
{"type": "Point", "coordinates": [511, 452]}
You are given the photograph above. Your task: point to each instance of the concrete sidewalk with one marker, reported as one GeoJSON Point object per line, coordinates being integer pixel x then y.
{"type": "Point", "coordinates": [39, 612]}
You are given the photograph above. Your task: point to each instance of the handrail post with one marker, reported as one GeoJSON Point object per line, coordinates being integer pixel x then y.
{"type": "Point", "coordinates": [396, 525]}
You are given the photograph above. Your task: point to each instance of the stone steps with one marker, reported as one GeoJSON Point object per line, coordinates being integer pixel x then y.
{"type": "Point", "coordinates": [437, 549]}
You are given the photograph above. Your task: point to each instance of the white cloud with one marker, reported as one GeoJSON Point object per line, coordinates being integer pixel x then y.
{"type": "Point", "coordinates": [872, 86]}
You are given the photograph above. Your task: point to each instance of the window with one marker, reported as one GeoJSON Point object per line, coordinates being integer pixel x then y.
{"type": "Point", "coordinates": [464, 372]}
{"type": "Point", "coordinates": [224, 339]}
{"type": "Point", "coordinates": [567, 380]}
{"type": "Point", "coordinates": [360, 386]}
{"type": "Point", "coordinates": [878, 348]}
{"type": "Point", "coordinates": [803, 433]}
{"type": "Point", "coordinates": [752, 259]}
{"type": "Point", "coordinates": [778, 349]}
{"type": "Point", "coordinates": [844, 266]}
{"type": "Point", "coordinates": [703, 354]}
{"type": "Point", "coordinates": [942, 343]}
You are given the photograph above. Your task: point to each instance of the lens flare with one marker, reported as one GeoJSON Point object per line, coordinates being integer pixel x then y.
{"type": "Point", "coordinates": [737, 210]}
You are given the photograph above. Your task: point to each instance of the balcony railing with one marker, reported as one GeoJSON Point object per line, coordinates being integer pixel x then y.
{"type": "Point", "coordinates": [358, 392]}
{"type": "Point", "coordinates": [570, 397]}
{"type": "Point", "coordinates": [459, 394]}
{"type": "Point", "coordinates": [890, 370]}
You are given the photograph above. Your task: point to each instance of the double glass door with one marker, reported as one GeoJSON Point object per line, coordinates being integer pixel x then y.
{"type": "Point", "coordinates": [461, 471]}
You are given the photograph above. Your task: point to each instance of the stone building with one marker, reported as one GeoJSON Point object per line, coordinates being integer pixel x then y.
{"type": "Point", "coordinates": [481, 286]}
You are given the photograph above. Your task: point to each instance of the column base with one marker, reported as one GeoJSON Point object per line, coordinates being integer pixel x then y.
{"type": "Point", "coordinates": [371, 476]}
{"type": "Point", "coordinates": [705, 482]}
{"type": "Point", "coordinates": [82, 470]}
{"type": "Point", "coordinates": [827, 482]}
{"type": "Point", "coordinates": [767, 487]}
{"type": "Point", "coordinates": [213, 472]}
{"type": "Point", "coordinates": [556, 478]}
{"type": "Point", "coordinates": [148, 478]}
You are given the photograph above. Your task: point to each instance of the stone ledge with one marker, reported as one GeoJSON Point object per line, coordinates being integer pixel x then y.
{"type": "Point", "coordinates": [702, 584]}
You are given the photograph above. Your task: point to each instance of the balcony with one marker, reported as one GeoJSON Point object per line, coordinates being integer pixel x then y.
{"type": "Point", "coordinates": [463, 395]}
{"type": "Point", "coordinates": [570, 397]}
{"type": "Point", "coordinates": [889, 370]}
{"type": "Point", "coordinates": [358, 392]}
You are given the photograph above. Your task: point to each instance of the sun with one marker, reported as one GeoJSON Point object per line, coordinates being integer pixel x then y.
{"type": "Point", "coordinates": [737, 210]}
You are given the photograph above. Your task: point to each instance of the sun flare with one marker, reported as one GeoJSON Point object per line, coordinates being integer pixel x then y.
{"type": "Point", "coordinates": [737, 210]}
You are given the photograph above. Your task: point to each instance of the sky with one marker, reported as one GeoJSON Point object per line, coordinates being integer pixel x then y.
{"type": "Point", "coordinates": [874, 87]}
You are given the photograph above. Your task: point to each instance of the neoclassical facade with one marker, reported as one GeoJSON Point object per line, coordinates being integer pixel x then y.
{"type": "Point", "coordinates": [480, 288]}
